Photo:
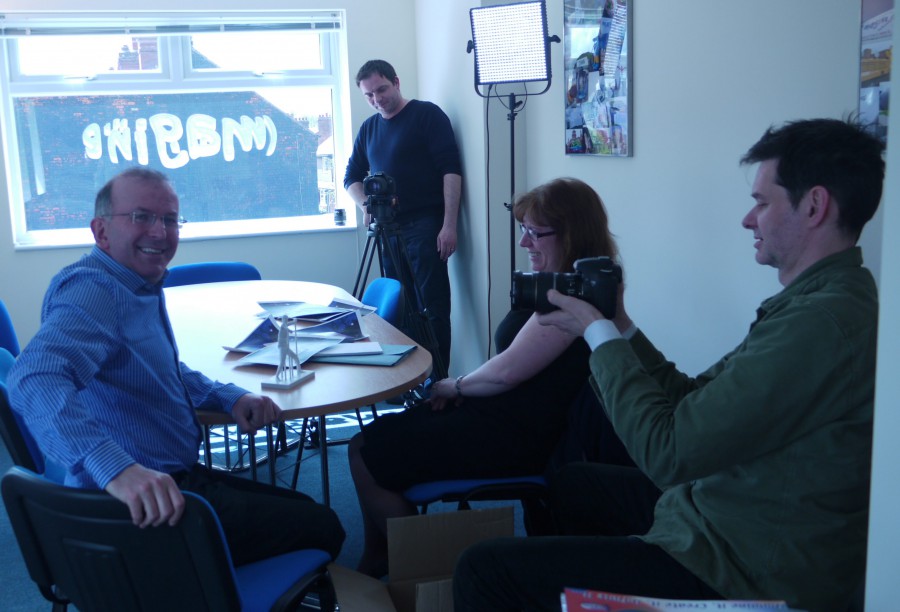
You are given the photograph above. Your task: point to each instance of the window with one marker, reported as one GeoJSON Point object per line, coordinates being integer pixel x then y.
{"type": "Point", "coordinates": [238, 110]}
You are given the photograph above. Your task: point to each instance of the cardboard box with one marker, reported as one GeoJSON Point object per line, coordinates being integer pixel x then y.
{"type": "Point", "coordinates": [422, 553]}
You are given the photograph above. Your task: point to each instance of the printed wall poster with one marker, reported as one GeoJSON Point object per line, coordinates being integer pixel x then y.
{"type": "Point", "coordinates": [875, 64]}
{"type": "Point", "coordinates": [598, 78]}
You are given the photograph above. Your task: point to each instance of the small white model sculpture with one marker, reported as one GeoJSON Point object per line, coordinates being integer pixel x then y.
{"type": "Point", "coordinates": [288, 373]}
{"type": "Point", "coordinates": [288, 357]}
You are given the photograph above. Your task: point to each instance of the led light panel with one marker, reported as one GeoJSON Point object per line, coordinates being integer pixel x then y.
{"type": "Point", "coordinates": [510, 43]}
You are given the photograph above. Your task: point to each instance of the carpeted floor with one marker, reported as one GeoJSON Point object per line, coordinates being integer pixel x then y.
{"type": "Point", "coordinates": [18, 593]}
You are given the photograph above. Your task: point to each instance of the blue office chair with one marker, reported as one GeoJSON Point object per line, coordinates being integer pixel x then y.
{"type": "Point", "coordinates": [80, 547]}
{"type": "Point", "coordinates": [6, 362]}
{"type": "Point", "coordinates": [8, 338]}
{"type": "Point", "coordinates": [210, 272]}
{"type": "Point", "coordinates": [467, 490]}
{"type": "Point", "coordinates": [385, 295]}
{"type": "Point", "coordinates": [22, 448]}
{"type": "Point", "coordinates": [588, 437]}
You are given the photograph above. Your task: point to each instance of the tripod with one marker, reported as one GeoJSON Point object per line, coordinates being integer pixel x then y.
{"type": "Point", "coordinates": [383, 237]}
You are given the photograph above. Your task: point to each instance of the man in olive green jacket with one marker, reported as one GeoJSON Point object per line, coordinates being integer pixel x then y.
{"type": "Point", "coordinates": [753, 478]}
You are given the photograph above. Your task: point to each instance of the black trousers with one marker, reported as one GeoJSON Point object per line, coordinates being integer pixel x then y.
{"type": "Point", "coordinates": [598, 508]}
{"type": "Point", "coordinates": [431, 277]}
{"type": "Point", "coordinates": [260, 520]}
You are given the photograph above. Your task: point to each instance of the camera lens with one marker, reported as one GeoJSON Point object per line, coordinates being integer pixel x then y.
{"type": "Point", "coordinates": [529, 289]}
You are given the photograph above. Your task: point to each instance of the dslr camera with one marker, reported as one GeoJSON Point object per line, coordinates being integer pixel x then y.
{"type": "Point", "coordinates": [381, 197]}
{"type": "Point", "coordinates": [595, 280]}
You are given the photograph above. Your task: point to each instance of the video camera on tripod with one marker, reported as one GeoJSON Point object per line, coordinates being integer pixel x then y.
{"type": "Point", "coordinates": [381, 197]}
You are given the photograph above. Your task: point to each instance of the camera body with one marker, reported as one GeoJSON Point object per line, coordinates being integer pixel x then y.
{"type": "Point", "coordinates": [381, 197]}
{"type": "Point", "coordinates": [595, 280]}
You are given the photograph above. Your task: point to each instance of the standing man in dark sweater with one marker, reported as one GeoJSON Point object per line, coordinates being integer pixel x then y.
{"type": "Point", "coordinates": [412, 141]}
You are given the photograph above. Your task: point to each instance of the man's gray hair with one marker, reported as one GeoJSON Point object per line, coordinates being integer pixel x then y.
{"type": "Point", "coordinates": [103, 202]}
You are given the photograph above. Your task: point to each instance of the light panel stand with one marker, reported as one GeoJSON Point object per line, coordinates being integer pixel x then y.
{"type": "Point", "coordinates": [511, 46]}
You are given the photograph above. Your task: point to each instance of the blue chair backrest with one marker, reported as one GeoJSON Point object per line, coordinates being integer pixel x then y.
{"type": "Point", "coordinates": [211, 272]}
{"type": "Point", "coordinates": [8, 338]}
{"type": "Point", "coordinates": [22, 448]}
{"type": "Point", "coordinates": [384, 294]}
{"type": "Point", "coordinates": [82, 544]}
{"type": "Point", "coordinates": [7, 359]}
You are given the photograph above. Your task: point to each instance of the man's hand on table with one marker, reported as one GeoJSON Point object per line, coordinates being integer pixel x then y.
{"type": "Point", "coordinates": [253, 411]}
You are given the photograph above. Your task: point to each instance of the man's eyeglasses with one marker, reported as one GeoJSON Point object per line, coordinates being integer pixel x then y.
{"type": "Point", "coordinates": [534, 234]}
{"type": "Point", "coordinates": [148, 219]}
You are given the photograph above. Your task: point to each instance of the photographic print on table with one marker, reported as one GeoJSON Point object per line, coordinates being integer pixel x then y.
{"type": "Point", "coordinates": [598, 77]}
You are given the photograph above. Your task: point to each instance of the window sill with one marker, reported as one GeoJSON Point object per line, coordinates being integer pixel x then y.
{"type": "Point", "coordinates": [193, 232]}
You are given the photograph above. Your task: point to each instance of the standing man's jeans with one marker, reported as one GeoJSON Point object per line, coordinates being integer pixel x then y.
{"type": "Point", "coordinates": [431, 276]}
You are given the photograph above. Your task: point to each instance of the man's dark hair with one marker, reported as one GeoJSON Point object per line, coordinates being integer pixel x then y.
{"type": "Point", "coordinates": [376, 66]}
{"type": "Point", "coordinates": [103, 201]}
{"type": "Point", "coordinates": [837, 155]}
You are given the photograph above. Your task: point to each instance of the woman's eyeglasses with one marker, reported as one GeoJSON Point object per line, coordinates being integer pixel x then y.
{"type": "Point", "coordinates": [533, 233]}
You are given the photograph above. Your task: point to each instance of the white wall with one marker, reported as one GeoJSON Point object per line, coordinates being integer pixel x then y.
{"type": "Point", "coordinates": [882, 588]}
{"type": "Point", "coordinates": [446, 78]}
{"type": "Point", "coordinates": [707, 80]}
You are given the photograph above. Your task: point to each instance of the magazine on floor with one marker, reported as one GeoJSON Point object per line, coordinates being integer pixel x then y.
{"type": "Point", "coordinates": [580, 600]}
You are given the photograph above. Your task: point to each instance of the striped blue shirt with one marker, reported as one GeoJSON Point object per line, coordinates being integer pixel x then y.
{"type": "Point", "coordinates": [101, 386]}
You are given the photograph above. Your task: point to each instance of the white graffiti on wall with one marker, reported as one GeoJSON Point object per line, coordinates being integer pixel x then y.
{"type": "Point", "coordinates": [199, 131]}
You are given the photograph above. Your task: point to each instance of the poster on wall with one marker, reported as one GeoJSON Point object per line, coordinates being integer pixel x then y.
{"type": "Point", "coordinates": [875, 65]}
{"type": "Point", "coordinates": [598, 79]}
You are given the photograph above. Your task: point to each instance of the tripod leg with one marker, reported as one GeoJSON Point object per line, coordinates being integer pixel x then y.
{"type": "Point", "coordinates": [365, 264]}
{"type": "Point", "coordinates": [417, 316]}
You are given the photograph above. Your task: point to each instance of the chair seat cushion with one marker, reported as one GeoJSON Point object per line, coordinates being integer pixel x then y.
{"type": "Point", "coordinates": [262, 583]}
{"type": "Point", "coordinates": [428, 492]}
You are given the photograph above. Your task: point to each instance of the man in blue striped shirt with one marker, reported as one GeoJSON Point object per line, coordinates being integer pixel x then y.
{"type": "Point", "coordinates": [103, 391]}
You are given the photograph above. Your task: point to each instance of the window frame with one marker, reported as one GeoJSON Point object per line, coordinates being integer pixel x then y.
{"type": "Point", "coordinates": [175, 76]}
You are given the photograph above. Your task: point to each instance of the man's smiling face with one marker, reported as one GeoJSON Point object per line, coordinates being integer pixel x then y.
{"type": "Point", "coordinates": [145, 249]}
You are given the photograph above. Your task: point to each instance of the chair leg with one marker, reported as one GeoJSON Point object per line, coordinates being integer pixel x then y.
{"type": "Point", "coordinates": [538, 520]}
{"type": "Point", "coordinates": [327, 596]}
{"type": "Point", "coordinates": [281, 439]}
{"type": "Point", "coordinates": [251, 447]}
{"type": "Point", "coordinates": [300, 446]}
{"type": "Point", "coordinates": [226, 436]}
{"type": "Point", "coordinates": [207, 455]}
{"type": "Point", "coordinates": [240, 448]}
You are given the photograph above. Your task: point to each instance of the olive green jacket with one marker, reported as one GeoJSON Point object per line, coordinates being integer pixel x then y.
{"type": "Point", "coordinates": [764, 459]}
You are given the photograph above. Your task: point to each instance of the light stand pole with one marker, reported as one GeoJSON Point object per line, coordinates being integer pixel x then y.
{"type": "Point", "coordinates": [511, 47]}
{"type": "Point", "coordinates": [511, 116]}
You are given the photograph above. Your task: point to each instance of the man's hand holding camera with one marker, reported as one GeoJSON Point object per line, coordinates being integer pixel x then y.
{"type": "Point", "coordinates": [574, 315]}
